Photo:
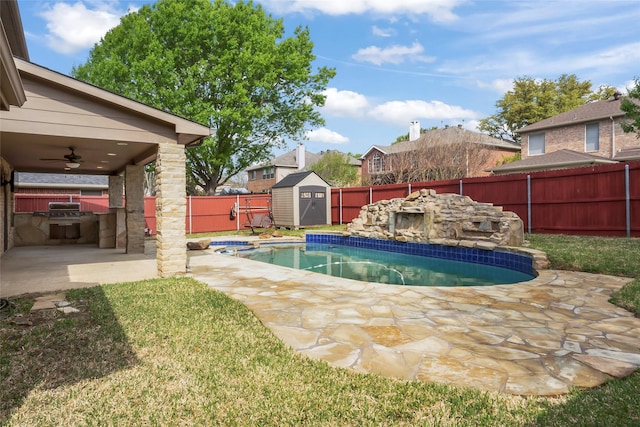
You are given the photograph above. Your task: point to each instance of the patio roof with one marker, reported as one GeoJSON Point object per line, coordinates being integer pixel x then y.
{"type": "Point", "coordinates": [109, 131]}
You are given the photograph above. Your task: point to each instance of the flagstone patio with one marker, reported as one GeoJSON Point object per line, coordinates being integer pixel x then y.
{"type": "Point", "coordinates": [541, 337]}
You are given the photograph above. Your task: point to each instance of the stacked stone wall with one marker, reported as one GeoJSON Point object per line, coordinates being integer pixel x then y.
{"type": "Point", "coordinates": [425, 216]}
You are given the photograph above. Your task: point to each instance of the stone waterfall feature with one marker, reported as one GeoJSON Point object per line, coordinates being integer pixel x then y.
{"type": "Point", "coordinates": [450, 219]}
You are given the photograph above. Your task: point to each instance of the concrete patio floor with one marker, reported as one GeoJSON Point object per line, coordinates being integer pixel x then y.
{"type": "Point", "coordinates": [39, 269]}
{"type": "Point", "coordinates": [536, 338]}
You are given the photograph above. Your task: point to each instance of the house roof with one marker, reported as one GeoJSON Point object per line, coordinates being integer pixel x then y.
{"type": "Point", "coordinates": [53, 180]}
{"type": "Point", "coordinates": [62, 112]}
{"type": "Point", "coordinates": [627, 154]}
{"type": "Point", "coordinates": [447, 134]}
{"type": "Point", "coordinates": [294, 179]}
{"type": "Point", "coordinates": [12, 43]}
{"type": "Point", "coordinates": [589, 112]}
{"type": "Point", "coordinates": [288, 160]}
{"type": "Point", "coordinates": [555, 160]}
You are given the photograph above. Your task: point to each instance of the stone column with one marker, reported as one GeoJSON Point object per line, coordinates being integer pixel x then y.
{"type": "Point", "coordinates": [116, 188]}
{"type": "Point", "coordinates": [134, 191]}
{"type": "Point", "coordinates": [171, 208]}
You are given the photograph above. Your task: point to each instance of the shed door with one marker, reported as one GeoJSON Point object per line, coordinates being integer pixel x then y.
{"type": "Point", "coordinates": [313, 205]}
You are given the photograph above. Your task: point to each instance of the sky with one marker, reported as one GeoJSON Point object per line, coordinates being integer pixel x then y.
{"type": "Point", "coordinates": [438, 62]}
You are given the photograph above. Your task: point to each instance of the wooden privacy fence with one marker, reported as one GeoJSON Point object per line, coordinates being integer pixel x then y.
{"type": "Point", "coordinates": [601, 200]}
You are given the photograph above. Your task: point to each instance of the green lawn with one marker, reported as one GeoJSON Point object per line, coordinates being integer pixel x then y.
{"type": "Point", "coordinates": [174, 352]}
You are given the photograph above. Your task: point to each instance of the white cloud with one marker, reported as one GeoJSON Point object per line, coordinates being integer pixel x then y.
{"type": "Point", "coordinates": [437, 10]}
{"type": "Point", "coordinates": [344, 103]}
{"type": "Point", "coordinates": [395, 54]}
{"type": "Point", "coordinates": [402, 112]}
{"type": "Point", "coordinates": [501, 86]}
{"type": "Point", "coordinates": [73, 27]}
{"type": "Point", "coordinates": [382, 32]}
{"type": "Point", "coordinates": [326, 136]}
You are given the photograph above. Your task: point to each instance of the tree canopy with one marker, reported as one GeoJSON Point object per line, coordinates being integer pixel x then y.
{"type": "Point", "coordinates": [225, 65]}
{"type": "Point", "coordinates": [632, 109]}
{"type": "Point", "coordinates": [532, 100]}
{"type": "Point", "coordinates": [335, 168]}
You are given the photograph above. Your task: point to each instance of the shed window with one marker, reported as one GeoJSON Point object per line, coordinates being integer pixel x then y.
{"type": "Point", "coordinates": [305, 195]}
{"type": "Point", "coordinates": [536, 144]}
{"type": "Point", "coordinates": [319, 195]}
{"type": "Point", "coordinates": [592, 137]}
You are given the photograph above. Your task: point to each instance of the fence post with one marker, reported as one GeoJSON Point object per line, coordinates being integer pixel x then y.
{"type": "Point", "coordinates": [370, 195]}
{"type": "Point", "coordinates": [627, 195]}
{"type": "Point", "coordinates": [529, 203]}
{"type": "Point", "coordinates": [461, 187]}
{"type": "Point", "coordinates": [340, 207]}
{"type": "Point", "coordinates": [409, 188]}
{"type": "Point", "coordinates": [190, 217]}
{"type": "Point", "coordinates": [237, 209]}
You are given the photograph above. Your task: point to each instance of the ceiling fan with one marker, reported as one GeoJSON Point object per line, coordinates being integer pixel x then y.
{"type": "Point", "coordinates": [72, 159]}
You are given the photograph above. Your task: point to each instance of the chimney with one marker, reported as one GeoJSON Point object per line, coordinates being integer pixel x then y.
{"type": "Point", "coordinates": [300, 161]}
{"type": "Point", "coordinates": [414, 130]}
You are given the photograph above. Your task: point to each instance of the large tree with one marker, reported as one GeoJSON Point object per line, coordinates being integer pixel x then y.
{"type": "Point", "coordinates": [225, 65]}
{"type": "Point", "coordinates": [532, 100]}
{"type": "Point", "coordinates": [631, 108]}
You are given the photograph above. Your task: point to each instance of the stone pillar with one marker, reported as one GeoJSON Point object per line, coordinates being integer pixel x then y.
{"type": "Point", "coordinates": [171, 208]}
{"type": "Point", "coordinates": [134, 190]}
{"type": "Point", "coordinates": [116, 188]}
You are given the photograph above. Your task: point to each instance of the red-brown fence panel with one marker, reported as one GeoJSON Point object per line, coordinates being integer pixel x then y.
{"type": "Point", "coordinates": [38, 202]}
{"type": "Point", "coordinates": [150, 213]}
{"type": "Point", "coordinates": [508, 191]}
{"type": "Point", "coordinates": [599, 200]}
{"type": "Point", "coordinates": [588, 200]}
{"type": "Point", "coordinates": [95, 204]}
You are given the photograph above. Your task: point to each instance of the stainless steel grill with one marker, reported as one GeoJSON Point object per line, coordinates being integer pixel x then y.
{"type": "Point", "coordinates": [64, 210]}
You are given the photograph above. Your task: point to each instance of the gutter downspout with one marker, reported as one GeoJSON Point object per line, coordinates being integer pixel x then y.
{"type": "Point", "coordinates": [613, 137]}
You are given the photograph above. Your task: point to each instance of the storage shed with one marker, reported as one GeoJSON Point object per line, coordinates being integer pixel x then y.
{"type": "Point", "coordinates": [301, 199]}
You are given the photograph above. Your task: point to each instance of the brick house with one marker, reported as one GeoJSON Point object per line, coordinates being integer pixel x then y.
{"type": "Point", "coordinates": [588, 135]}
{"type": "Point", "coordinates": [469, 153]}
{"type": "Point", "coordinates": [264, 176]}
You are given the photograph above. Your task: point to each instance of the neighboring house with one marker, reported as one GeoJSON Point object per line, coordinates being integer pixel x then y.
{"type": "Point", "coordinates": [261, 178]}
{"type": "Point", "coordinates": [435, 154]}
{"type": "Point", "coordinates": [587, 135]}
{"type": "Point", "coordinates": [264, 176]}
{"type": "Point", "coordinates": [50, 183]}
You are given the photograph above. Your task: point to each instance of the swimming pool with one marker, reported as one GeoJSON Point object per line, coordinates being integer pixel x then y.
{"type": "Point", "coordinates": [390, 262]}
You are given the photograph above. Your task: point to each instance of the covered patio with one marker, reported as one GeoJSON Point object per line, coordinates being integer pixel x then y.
{"type": "Point", "coordinates": [52, 123]}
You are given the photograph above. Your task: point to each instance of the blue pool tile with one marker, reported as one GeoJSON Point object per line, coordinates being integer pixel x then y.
{"type": "Point", "coordinates": [496, 258]}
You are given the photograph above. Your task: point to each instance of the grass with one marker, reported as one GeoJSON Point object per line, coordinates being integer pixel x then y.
{"type": "Point", "coordinates": [174, 352]}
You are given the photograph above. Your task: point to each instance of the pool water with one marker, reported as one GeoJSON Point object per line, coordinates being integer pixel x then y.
{"type": "Point", "coordinates": [370, 265]}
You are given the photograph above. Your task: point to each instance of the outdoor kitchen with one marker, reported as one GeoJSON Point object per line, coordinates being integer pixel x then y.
{"type": "Point", "coordinates": [62, 223]}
